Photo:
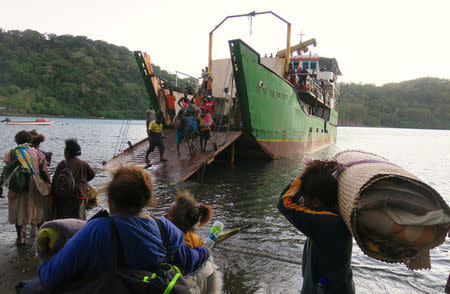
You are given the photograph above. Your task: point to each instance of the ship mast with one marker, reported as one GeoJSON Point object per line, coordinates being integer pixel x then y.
{"type": "Point", "coordinates": [251, 14]}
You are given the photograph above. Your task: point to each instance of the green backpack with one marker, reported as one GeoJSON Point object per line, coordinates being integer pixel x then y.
{"type": "Point", "coordinates": [13, 176]}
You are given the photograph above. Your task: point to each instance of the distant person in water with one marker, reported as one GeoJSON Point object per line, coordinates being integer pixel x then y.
{"type": "Point", "coordinates": [67, 202]}
{"type": "Point", "coordinates": [309, 203]}
{"type": "Point", "coordinates": [155, 139]}
{"type": "Point", "coordinates": [27, 192]}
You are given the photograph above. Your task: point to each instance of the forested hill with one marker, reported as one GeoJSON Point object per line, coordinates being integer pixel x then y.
{"type": "Point", "coordinates": [420, 103]}
{"type": "Point", "coordinates": [70, 75]}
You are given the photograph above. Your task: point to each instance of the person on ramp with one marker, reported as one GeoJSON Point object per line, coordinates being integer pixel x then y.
{"type": "Point", "coordinates": [309, 203]}
{"type": "Point", "coordinates": [155, 139]}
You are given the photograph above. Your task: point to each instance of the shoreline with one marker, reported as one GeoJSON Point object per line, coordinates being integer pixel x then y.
{"type": "Point", "coordinates": [64, 116]}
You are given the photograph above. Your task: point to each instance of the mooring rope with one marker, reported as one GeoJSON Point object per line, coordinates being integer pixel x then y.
{"type": "Point", "coordinates": [258, 254]}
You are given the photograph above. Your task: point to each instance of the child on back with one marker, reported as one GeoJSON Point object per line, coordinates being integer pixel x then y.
{"type": "Point", "coordinates": [309, 203]}
{"type": "Point", "coordinates": [185, 213]}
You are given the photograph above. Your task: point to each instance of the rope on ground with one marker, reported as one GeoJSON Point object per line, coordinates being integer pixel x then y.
{"type": "Point", "coordinates": [258, 254]}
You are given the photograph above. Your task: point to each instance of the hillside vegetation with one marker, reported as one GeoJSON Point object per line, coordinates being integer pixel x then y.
{"type": "Point", "coordinates": [70, 75]}
{"type": "Point", "coordinates": [75, 76]}
{"type": "Point", "coordinates": [420, 103]}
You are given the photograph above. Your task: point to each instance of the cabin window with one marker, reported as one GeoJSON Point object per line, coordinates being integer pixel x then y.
{"type": "Point", "coordinates": [313, 66]}
{"type": "Point", "coordinates": [305, 65]}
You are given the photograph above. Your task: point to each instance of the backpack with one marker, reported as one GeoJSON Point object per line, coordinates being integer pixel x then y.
{"type": "Point", "coordinates": [164, 278]}
{"type": "Point", "coordinates": [13, 176]}
{"type": "Point", "coordinates": [64, 184]}
{"type": "Point", "coordinates": [192, 124]}
{"type": "Point", "coordinates": [178, 123]}
{"type": "Point", "coordinates": [67, 200]}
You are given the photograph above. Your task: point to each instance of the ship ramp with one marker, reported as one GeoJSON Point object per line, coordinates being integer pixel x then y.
{"type": "Point", "coordinates": [175, 170]}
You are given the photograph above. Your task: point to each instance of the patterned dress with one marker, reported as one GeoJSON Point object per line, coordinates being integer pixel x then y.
{"type": "Point", "coordinates": [30, 207]}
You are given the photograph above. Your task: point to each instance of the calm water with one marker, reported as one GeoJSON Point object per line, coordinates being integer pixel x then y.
{"type": "Point", "coordinates": [247, 194]}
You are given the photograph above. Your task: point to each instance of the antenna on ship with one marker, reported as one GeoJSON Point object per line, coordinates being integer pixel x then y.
{"type": "Point", "coordinates": [301, 36]}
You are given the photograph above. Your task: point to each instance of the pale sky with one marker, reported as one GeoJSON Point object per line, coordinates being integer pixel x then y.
{"type": "Point", "coordinates": [374, 41]}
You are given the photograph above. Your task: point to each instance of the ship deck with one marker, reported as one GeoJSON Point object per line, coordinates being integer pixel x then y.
{"type": "Point", "coordinates": [175, 170]}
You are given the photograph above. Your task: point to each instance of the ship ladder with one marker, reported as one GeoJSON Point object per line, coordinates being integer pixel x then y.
{"type": "Point", "coordinates": [123, 134]}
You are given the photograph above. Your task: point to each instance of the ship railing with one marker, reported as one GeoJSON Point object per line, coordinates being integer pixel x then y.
{"type": "Point", "coordinates": [332, 89]}
{"type": "Point", "coordinates": [315, 89]}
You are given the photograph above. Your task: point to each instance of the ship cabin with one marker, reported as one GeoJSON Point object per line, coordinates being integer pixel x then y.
{"type": "Point", "coordinates": [315, 79]}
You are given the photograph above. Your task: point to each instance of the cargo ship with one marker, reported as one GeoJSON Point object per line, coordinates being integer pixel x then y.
{"type": "Point", "coordinates": [284, 105]}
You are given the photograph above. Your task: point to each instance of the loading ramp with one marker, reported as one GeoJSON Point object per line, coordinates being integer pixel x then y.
{"type": "Point", "coordinates": [175, 170]}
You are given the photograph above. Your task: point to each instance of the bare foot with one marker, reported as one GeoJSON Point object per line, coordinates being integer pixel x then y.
{"type": "Point", "coordinates": [20, 241]}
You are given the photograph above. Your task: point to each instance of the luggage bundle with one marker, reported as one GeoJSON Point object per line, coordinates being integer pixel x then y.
{"type": "Point", "coordinates": [392, 214]}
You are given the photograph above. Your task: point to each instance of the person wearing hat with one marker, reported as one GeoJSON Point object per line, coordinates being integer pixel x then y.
{"type": "Point", "coordinates": [71, 206]}
{"type": "Point", "coordinates": [309, 203]}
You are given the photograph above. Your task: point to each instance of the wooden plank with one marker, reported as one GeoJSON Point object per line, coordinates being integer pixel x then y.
{"type": "Point", "coordinates": [175, 170]}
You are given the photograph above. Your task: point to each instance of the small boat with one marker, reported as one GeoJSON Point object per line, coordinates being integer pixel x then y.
{"type": "Point", "coordinates": [38, 121]}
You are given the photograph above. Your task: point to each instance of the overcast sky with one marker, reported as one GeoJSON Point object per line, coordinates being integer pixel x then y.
{"type": "Point", "coordinates": [374, 41]}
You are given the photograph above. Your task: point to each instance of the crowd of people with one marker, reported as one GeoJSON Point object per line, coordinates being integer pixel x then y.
{"type": "Point", "coordinates": [33, 196]}
{"type": "Point", "coordinates": [309, 202]}
{"type": "Point", "coordinates": [192, 124]}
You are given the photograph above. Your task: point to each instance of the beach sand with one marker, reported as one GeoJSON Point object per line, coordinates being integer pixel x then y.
{"type": "Point", "coordinates": [16, 263]}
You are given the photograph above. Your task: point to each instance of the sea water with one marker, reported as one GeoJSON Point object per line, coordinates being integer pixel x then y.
{"type": "Point", "coordinates": [248, 192]}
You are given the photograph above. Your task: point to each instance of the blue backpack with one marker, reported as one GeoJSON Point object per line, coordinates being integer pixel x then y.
{"type": "Point", "coordinates": [192, 124]}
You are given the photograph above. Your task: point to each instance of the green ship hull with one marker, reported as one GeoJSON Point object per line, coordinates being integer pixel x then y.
{"type": "Point", "coordinates": [272, 111]}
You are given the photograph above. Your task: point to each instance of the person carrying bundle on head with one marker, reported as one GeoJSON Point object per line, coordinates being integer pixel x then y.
{"type": "Point", "coordinates": [309, 203]}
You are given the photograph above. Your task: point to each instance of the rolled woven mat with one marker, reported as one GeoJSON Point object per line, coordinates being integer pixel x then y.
{"type": "Point", "coordinates": [53, 235]}
{"type": "Point", "coordinates": [392, 214]}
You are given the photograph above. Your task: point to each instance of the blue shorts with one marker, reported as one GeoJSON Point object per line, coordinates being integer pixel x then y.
{"type": "Point", "coordinates": [179, 135]}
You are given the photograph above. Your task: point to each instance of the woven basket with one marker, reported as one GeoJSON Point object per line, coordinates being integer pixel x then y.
{"type": "Point", "coordinates": [361, 170]}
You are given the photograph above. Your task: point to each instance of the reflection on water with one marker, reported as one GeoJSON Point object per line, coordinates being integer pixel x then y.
{"type": "Point", "coordinates": [247, 194]}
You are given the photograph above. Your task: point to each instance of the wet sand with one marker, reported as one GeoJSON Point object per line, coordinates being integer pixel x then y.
{"type": "Point", "coordinates": [16, 263]}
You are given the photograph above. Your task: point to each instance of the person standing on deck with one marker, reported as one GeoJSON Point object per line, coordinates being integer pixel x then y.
{"type": "Point", "coordinates": [72, 206]}
{"type": "Point", "coordinates": [27, 199]}
{"type": "Point", "coordinates": [205, 78]}
{"type": "Point", "coordinates": [210, 104]}
{"type": "Point", "coordinates": [179, 124]}
{"type": "Point", "coordinates": [198, 99]}
{"type": "Point", "coordinates": [184, 101]}
{"type": "Point", "coordinates": [302, 75]}
{"type": "Point", "coordinates": [292, 75]}
{"type": "Point", "coordinates": [170, 98]}
{"type": "Point", "coordinates": [309, 203]}
{"type": "Point", "coordinates": [205, 127]}
{"type": "Point", "coordinates": [155, 138]}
